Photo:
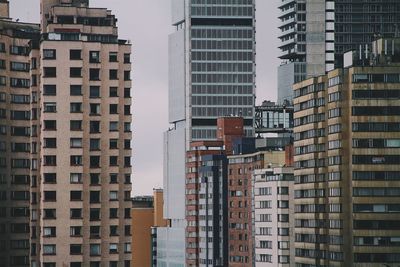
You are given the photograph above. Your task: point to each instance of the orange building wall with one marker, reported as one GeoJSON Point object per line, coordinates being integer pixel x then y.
{"type": "Point", "coordinates": [159, 220]}
{"type": "Point", "coordinates": [142, 221]}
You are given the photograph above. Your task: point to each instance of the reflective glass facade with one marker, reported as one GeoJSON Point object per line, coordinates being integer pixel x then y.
{"type": "Point", "coordinates": [222, 64]}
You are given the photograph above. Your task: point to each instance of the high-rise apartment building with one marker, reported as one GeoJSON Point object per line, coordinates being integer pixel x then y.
{"type": "Point", "coordinates": [315, 34]}
{"type": "Point", "coordinates": [206, 196]}
{"type": "Point", "coordinates": [273, 220]}
{"type": "Point", "coordinates": [66, 121]}
{"type": "Point", "coordinates": [19, 141]}
{"type": "Point", "coordinates": [240, 186]}
{"type": "Point", "coordinates": [347, 147]}
{"type": "Point", "coordinates": [212, 70]}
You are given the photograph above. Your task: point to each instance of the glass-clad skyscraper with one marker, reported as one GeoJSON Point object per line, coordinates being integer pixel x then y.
{"type": "Point", "coordinates": [212, 71]}
{"type": "Point", "coordinates": [221, 69]}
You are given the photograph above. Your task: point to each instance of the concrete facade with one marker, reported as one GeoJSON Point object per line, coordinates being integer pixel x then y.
{"type": "Point", "coordinates": [273, 217]}
{"type": "Point", "coordinates": [70, 92]}
{"type": "Point", "coordinates": [346, 164]}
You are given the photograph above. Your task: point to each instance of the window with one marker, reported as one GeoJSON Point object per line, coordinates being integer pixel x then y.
{"type": "Point", "coordinates": [49, 214]}
{"type": "Point", "coordinates": [94, 57]}
{"type": "Point", "coordinates": [94, 196]}
{"type": "Point", "coordinates": [76, 195]}
{"type": "Point", "coordinates": [16, 66]}
{"type": "Point", "coordinates": [75, 231]}
{"type": "Point", "coordinates": [113, 160]}
{"type": "Point", "coordinates": [94, 214]}
{"type": "Point", "coordinates": [76, 213]}
{"type": "Point", "coordinates": [94, 126]}
{"type": "Point", "coordinates": [75, 125]}
{"type": "Point", "coordinates": [49, 249]}
{"type": "Point", "coordinates": [75, 54]}
{"type": "Point", "coordinates": [127, 109]}
{"type": "Point", "coordinates": [113, 74]}
{"type": "Point", "coordinates": [94, 74]}
{"type": "Point", "coordinates": [113, 91]}
{"type": "Point", "coordinates": [49, 54]}
{"type": "Point", "coordinates": [127, 161]}
{"type": "Point", "coordinates": [283, 204]}
{"type": "Point", "coordinates": [75, 178]}
{"type": "Point", "coordinates": [95, 250]}
{"type": "Point", "coordinates": [94, 144]}
{"type": "Point", "coordinates": [113, 143]}
{"type": "Point", "coordinates": [95, 109]}
{"type": "Point", "coordinates": [283, 217]}
{"type": "Point", "coordinates": [113, 126]}
{"type": "Point", "coordinates": [50, 125]}
{"type": "Point", "coordinates": [128, 230]}
{"type": "Point", "coordinates": [2, 47]}
{"type": "Point", "coordinates": [76, 142]}
{"type": "Point", "coordinates": [127, 144]}
{"type": "Point", "coordinates": [283, 259]}
{"type": "Point", "coordinates": [127, 127]}
{"type": "Point", "coordinates": [76, 90]}
{"type": "Point", "coordinates": [113, 248]}
{"type": "Point", "coordinates": [94, 179]}
{"type": "Point", "coordinates": [113, 213]}
{"type": "Point", "coordinates": [75, 249]}
{"type": "Point", "coordinates": [76, 160]}
{"type": "Point", "coordinates": [50, 107]}
{"type": "Point", "coordinates": [50, 142]}
{"type": "Point", "coordinates": [49, 90]}
{"type": "Point", "coordinates": [113, 108]}
{"type": "Point", "coordinates": [49, 231]}
{"type": "Point", "coordinates": [75, 72]}
{"type": "Point", "coordinates": [76, 107]}
{"type": "Point", "coordinates": [75, 264]}
{"type": "Point", "coordinates": [113, 195]}
{"type": "Point", "coordinates": [113, 57]}
{"type": "Point", "coordinates": [50, 72]}
{"type": "Point", "coordinates": [127, 58]}
{"type": "Point", "coordinates": [49, 264]}
{"type": "Point", "coordinates": [127, 75]}
{"type": "Point", "coordinates": [3, 80]}
{"type": "Point", "coordinates": [49, 160]}
{"type": "Point", "coordinates": [283, 231]}
{"type": "Point", "coordinates": [283, 190]}
{"type": "Point", "coordinates": [113, 230]}
{"type": "Point", "coordinates": [94, 91]}
{"type": "Point", "coordinates": [94, 231]}
{"type": "Point", "coordinates": [283, 244]}
{"type": "Point", "coordinates": [94, 161]}
{"type": "Point", "coordinates": [127, 92]}
{"type": "Point", "coordinates": [50, 196]}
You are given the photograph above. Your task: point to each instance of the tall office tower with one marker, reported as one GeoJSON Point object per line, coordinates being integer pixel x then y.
{"type": "Point", "coordinates": [347, 147]}
{"type": "Point", "coordinates": [273, 209]}
{"type": "Point", "coordinates": [212, 70]}
{"type": "Point", "coordinates": [293, 49]}
{"type": "Point", "coordinates": [65, 136]}
{"type": "Point", "coordinates": [18, 140]}
{"type": "Point", "coordinates": [85, 140]}
{"type": "Point", "coordinates": [319, 32]}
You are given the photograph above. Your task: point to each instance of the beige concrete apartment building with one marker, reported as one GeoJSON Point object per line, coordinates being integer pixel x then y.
{"type": "Point", "coordinates": [67, 164]}
{"type": "Point", "coordinates": [347, 147]}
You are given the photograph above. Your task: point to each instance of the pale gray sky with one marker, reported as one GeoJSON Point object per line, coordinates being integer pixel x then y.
{"type": "Point", "coordinates": [147, 24]}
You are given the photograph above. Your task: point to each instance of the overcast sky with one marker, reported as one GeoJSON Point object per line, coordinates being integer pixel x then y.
{"type": "Point", "coordinates": [147, 24]}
